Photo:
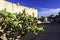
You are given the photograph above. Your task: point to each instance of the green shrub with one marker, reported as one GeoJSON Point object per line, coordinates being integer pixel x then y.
{"type": "Point", "coordinates": [21, 23]}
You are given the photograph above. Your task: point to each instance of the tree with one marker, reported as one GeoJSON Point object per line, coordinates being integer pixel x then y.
{"type": "Point", "coordinates": [59, 13]}
{"type": "Point", "coordinates": [50, 17]}
{"type": "Point", "coordinates": [42, 18]}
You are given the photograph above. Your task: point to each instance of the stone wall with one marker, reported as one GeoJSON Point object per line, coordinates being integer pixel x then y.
{"type": "Point", "coordinates": [17, 8]}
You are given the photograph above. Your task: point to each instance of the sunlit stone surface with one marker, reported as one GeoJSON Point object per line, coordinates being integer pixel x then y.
{"type": "Point", "coordinates": [17, 8]}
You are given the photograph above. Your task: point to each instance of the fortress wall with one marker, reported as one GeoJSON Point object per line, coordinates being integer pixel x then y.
{"type": "Point", "coordinates": [17, 8]}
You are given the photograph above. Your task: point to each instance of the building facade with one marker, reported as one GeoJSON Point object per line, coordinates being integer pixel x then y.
{"type": "Point", "coordinates": [13, 8]}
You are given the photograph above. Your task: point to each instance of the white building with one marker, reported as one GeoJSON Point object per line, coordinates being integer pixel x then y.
{"type": "Point", "coordinates": [17, 8]}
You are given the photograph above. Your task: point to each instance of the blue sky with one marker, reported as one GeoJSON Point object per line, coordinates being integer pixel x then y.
{"type": "Point", "coordinates": [44, 7]}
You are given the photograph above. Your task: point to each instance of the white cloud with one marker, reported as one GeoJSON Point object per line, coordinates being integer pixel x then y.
{"type": "Point", "coordinates": [47, 12]}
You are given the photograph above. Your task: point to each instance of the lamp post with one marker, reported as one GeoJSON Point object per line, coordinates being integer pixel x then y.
{"type": "Point", "coordinates": [18, 4]}
{"type": "Point", "coordinates": [5, 4]}
{"type": "Point", "coordinates": [18, 7]}
{"type": "Point", "coordinates": [12, 6]}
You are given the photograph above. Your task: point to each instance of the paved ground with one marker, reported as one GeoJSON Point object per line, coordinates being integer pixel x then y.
{"type": "Point", "coordinates": [48, 36]}
{"type": "Point", "coordinates": [52, 32]}
{"type": "Point", "coordinates": [51, 27]}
